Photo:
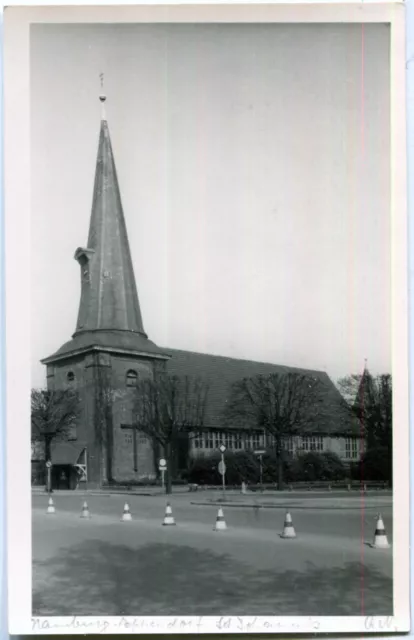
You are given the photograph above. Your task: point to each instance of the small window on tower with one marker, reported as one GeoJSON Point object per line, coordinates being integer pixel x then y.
{"type": "Point", "coordinates": [131, 378]}
{"type": "Point", "coordinates": [70, 376]}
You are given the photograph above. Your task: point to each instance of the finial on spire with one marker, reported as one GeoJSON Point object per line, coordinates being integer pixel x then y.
{"type": "Point", "coordinates": [102, 96]}
{"type": "Point", "coordinates": [365, 363]}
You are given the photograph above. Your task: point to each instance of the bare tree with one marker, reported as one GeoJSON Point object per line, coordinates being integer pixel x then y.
{"type": "Point", "coordinates": [370, 401]}
{"type": "Point", "coordinates": [53, 415]}
{"type": "Point", "coordinates": [283, 405]}
{"type": "Point", "coordinates": [167, 406]}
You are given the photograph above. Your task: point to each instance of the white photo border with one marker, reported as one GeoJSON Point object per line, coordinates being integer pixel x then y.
{"type": "Point", "coordinates": [17, 21]}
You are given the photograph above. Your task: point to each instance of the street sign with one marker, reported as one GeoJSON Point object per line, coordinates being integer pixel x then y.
{"type": "Point", "coordinates": [222, 448]}
{"type": "Point", "coordinates": [260, 453]}
{"type": "Point", "coordinates": [48, 464]}
{"type": "Point", "coordinates": [221, 468]}
{"type": "Point", "coordinates": [162, 463]}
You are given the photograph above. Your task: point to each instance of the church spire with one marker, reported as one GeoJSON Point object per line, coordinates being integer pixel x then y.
{"type": "Point", "coordinates": [102, 97]}
{"type": "Point", "coordinates": [364, 388]}
{"type": "Point", "coordinates": [109, 298]}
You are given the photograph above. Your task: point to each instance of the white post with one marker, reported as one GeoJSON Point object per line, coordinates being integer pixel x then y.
{"type": "Point", "coordinates": [223, 477]}
{"type": "Point", "coordinates": [261, 472]}
{"type": "Point", "coordinates": [49, 480]}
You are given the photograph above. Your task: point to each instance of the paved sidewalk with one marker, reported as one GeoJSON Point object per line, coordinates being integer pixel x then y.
{"type": "Point", "coordinates": [284, 501]}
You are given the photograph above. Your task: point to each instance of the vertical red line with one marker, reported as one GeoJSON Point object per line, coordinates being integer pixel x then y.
{"type": "Point", "coordinates": [350, 156]}
{"type": "Point", "coordinates": [362, 142]}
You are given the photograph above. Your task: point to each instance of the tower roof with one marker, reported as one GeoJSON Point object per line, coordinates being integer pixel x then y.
{"type": "Point", "coordinates": [109, 311]}
{"type": "Point", "coordinates": [364, 388]}
{"type": "Point", "coordinates": [109, 298]}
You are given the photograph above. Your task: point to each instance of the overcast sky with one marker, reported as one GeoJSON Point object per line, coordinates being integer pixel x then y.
{"type": "Point", "coordinates": [253, 162]}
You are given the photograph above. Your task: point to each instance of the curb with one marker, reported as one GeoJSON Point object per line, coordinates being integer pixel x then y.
{"type": "Point", "coordinates": [106, 494]}
{"type": "Point", "coordinates": [285, 506]}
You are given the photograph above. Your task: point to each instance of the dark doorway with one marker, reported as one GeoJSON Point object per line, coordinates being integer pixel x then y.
{"type": "Point", "coordinates": [62, 476]}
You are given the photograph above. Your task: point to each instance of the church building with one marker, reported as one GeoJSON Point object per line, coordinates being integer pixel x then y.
{"type": "Point", "coordinates": [111, 350]}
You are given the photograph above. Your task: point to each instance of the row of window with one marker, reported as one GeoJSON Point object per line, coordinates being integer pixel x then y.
{"type": "Point", "coordinates": [213, 440]}
{"type": "Point", "coordinates": [131, 378]}
{"type": "Point", "coordinates": [312, 443]}
{"type": "Point", "coordinates": [351, 448]}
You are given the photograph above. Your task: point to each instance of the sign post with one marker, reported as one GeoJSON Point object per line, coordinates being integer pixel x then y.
{"type": "Point", "coordinates": [49, 478]}
{"type": "Point", "coordinates": [222, 469]}
{"type": "Point", "coordinates": [162, 467]}
{"type": "Point", "coordinates": [260, 453]}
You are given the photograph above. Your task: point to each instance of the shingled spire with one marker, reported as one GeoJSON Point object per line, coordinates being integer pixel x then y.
{"type": "Point", "coordinates": [109, 298]}
{"type": "Point", "coordinates": [109, 316]}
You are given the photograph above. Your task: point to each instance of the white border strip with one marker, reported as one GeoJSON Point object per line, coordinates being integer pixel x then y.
{"type": "Point", "coordinates": [91, 3]}
{"type": "Point", "coordinates": [219, 624]}
{"type": "Point", "coordinates": [18, 249]}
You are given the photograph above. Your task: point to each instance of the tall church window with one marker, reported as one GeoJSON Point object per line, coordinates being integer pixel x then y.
{"type": "Point", "coordinates": [70, 376]}
{"type": "Point", "coordinates": [228, 440]}
{"type": "Point", "coordinates": [312, 443]}
{"type": "Point", "coordinates": [218, 439]}
{"type": "Point", "coordinates": [131, 378]}
{"type": "Point", "coordinates": [198, 441]}
{"type": "Point", "coordinates": [288, 445]}
{"type": "Point", "coordinates": [256, 441]}
{"type": "Point", "coordinates": [319, 443]}
{"type": "Point", "coordinates": [209, 440]}
{"type": "Point", "coordinates": [351, 448]}
{"type": "Point", "coordinates": [238, 441]}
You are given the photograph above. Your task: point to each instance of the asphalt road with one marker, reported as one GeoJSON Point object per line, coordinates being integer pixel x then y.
{"type": "Point", "coordinates": [103, 566]}
{"type": "Point", "coordinates": [347, 517]}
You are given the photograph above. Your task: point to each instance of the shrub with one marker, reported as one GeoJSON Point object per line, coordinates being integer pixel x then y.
{"type": "Point", "coordinates": [314, 466]}
{"type": "Point", "coordinates": [334, 467]}
{"type": "Point", "coordinates": [375, 464]}
{"type": "Point", "coordinates": [270, 468]}
{"type": "Point", "coordinates": [203, 469]}
{"type": "Point", "coordinates": [244, 466]}
{"type": "Point", "coordinates": [241, 466]}
{"type": "Point", "coordinates": [38, 473]}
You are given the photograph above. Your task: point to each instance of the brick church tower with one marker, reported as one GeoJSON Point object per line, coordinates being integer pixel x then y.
{"type": "Point", "coordinates": [109, 350]}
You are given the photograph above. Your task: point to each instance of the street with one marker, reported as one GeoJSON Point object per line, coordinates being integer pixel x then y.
{"type": "Point", "coordinates": [103, 566]}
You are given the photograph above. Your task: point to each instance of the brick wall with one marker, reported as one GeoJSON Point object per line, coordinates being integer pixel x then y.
{"type": "Point", "coordinates": [111, 453]}
{"type": "Point", "coordinates": [123, 453]}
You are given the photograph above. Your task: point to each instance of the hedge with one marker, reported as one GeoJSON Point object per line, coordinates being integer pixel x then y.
{"type": "Point", "coordinates": [375, 464]}
{"type": "Point", "coordinates": [243, 466]}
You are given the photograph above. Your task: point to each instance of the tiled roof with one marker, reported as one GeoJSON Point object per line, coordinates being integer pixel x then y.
{"type": "Point", "coordinates": [120, 341]}
{"type": "Point", "coordinates": [220, 373]}
{"type": "Point", "coordinates": [66, 452]}
{"type": "Point", "coordinates": [109, 298]}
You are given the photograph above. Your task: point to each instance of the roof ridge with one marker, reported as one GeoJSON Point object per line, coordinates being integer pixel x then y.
{"type": "Point", "coordinates": [221, 357]}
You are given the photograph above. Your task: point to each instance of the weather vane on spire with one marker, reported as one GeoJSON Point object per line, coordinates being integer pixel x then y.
{"type": "Point", "coordinates": [102, 96]}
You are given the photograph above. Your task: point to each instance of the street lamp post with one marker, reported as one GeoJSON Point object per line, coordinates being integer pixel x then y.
{"type": "Point", "coordinates": [49, 478]}
{"type": "Point", "coordinates": [260, 454]}
{"type": "Point", "coordinates": [222, 469]}
{"type": "Point", "coordinates": [261, 472]}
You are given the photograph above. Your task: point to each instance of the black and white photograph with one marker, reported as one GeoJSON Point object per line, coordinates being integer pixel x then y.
{"type": "Point", "coordinates": [214, 382]}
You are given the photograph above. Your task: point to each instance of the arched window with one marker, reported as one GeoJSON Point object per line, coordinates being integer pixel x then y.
{"type": "Point", "coordinates": [131, 378]}
{"type": "Point", "coordinates": [70, 376]}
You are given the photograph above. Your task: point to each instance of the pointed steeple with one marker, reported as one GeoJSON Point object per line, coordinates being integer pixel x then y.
{"type": "Point", "coordinates": [109, 315]}
{"type": "Point", "coordinates": [109, 298]}
{"type": "Point", "coordinates": [364, 389]}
